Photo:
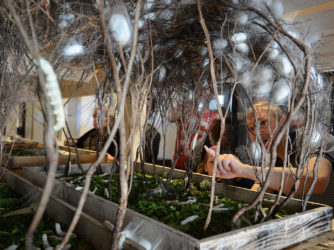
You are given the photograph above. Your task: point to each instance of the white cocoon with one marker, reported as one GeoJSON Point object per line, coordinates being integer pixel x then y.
{"type": "Point", "coordinates": [281, 91]}
{"type": "Point", "coordinates": [243, 18]}
{"type": "Point", "coordinates": [166, 15]}
{"type": "Point", "coordinates": [242, 48]}
{"type": "Point", "coordinates": [277, 8]}
{"type": "Point", "coordinates": [219, 44]}
{"type": "Point", "coordinates": [150, 16]}
{"type": "Point", "coordinates": [273, 53]}
{"type": "Point", "coordinates": [284, 65]}
{"type": "Point", "coordinates": [239, 62]}
{"type": "Point", "coordinates": [239, 37]}
{"type": "Point", "coordinates": [313, 73]}
{"type": "Point", "coordinates": [120, 28]}
{"type": "Point", "coordinates": [316, 137]}
{"type": "Point", "coordinates": [263, 89]}
{"type": "Point", "coordinates": [264, 74]}
{"type": "Point", "coordinates": [141, 23]}
{"type": "Point", "coordinates": [287, 66]}
{"type": "Point", "coordinates": [190, 95]}
{"type": "Point", "coordinates": [255, 151]}
{"type": "Point", "coordinates": [320, 81]}
{"type": "Point", "coordinates": [204, 51]}
{"type": "Point", "coordinates": [245, 79]}
{"type": "Point", "coordinates": [73, 49]}
{"type": "Point", "coordinates": [206, 62]}
{"type": "Point", "coordinates": [162, 73]}
{"type": "Point", "coordinates": [148, 5]}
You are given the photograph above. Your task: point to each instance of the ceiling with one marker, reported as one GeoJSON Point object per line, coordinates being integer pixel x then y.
{"type": "Point", "coordinates": [317, 18]}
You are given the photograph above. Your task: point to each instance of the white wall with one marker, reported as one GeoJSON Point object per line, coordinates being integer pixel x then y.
{"type": "Point", "coordinates": [78, 113]}
{"type": "Point", "coordinates": [170, 141]}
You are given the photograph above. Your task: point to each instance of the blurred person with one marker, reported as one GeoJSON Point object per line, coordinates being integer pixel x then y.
{"type": "Point", "coordinates": [186, 120]}
{"type": "Point", "coordinates": [270, 120]}
{"type": "Point", "coordinates": [152, 135]}
{"type": "Point", "coordinates": [90, 140]}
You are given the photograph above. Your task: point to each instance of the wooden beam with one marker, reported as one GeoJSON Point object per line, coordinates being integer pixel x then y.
{"type": "Point", "coordinates": [307, 11]}
{"type": "Point", "coordinates": [85, 88]}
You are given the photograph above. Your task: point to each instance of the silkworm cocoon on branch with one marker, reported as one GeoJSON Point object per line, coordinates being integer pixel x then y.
{"type": "Point", "coordinates": [263, 89]}
{"type": "Point", "coordinates": [276, 7]}
{"type": "Point", "coordinates": [52, 92]}
{"type": "Point", "coordinates": [243, 18]}
{"type": "Point", "coordinates": [281, 91]}
{"type": "Point", "coordinates": [273, 53]}
{"type": "Point", "coordinates": [162, 73]}
{"type": "Point", "coordinates": [239, 37]}
{"type": "Point", "coordinates": [316, 137]}
{"type": "Point", "coordinates": [255, 151]}
{"type": "Point", "coordinates": [219, 44]}
{"type": "Point", "coordinates": [73, 49]}
{"type": "Point", "coordinates": [287, 66]}
{"type": "Point", "coordinates": [242, 48]}
{"type": "Point", "coordinates": [121, 28]}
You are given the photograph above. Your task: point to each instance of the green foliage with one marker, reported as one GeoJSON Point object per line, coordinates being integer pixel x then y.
{"type": "Point", "coordinates": [173, 207]}
{"type": "Point", "coordinates": [13, 228]}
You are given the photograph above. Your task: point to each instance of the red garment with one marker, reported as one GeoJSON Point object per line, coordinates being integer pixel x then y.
{"type": "Point", "coordinates": [204, 127]}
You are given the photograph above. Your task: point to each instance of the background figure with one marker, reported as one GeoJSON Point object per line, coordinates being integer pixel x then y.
{"type": "Point", "coordinates": [152, 136]}
{"type": "Point", "coordinates": [152, 143]}
{"type": "Point", "coordinates": [269, 120]}
{"type": "Point", "coordinates": [204, 162]}
{"type": "Point", "coordinates": [95, 138]}
{"type": "Point", "coordinates": [186, 120]}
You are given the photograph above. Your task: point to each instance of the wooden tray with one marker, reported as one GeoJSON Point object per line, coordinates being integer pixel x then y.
{"type": "Point", "coordinates": [275, 234]}
{"type": "Point", "coordinates": [85, 156]}
{"type": "Point", "coordinates": [88, 227]}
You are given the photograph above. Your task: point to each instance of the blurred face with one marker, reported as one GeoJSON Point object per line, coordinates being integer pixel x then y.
{"type": "Point", "coordinates": [268, 126]}
{"type": "Point", "coordinates": [209, 164]}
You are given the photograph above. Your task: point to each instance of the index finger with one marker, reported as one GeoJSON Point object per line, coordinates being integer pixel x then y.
{"type": "Point", "coordinates": [210, 151]}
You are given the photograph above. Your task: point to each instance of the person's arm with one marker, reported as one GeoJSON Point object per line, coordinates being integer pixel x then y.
{"type": "Point", "coordinates": [230, 166]}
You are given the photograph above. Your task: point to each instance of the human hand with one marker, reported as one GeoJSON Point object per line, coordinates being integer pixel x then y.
{"type": "Point", "coordinates": [110, 158]}
{"type": "Point", "coordinates": [229, 166]}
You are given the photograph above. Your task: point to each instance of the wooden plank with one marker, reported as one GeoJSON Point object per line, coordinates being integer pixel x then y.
{"type": "Point", "coordinates": [309, 10]}
{"type": "Point", "coordinates": [85, 156]}
{"type": "Point", "coordinates": [276, 234]}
